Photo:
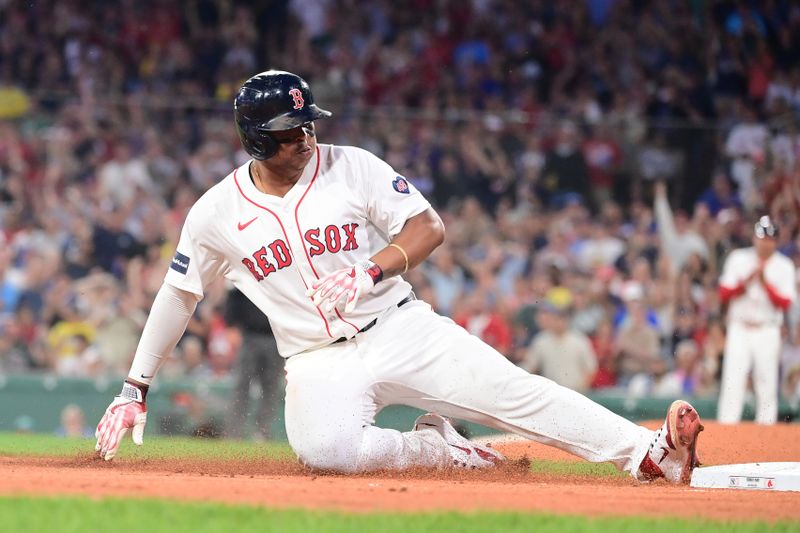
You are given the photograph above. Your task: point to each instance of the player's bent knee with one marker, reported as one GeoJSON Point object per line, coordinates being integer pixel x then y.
{"type": "Point", "coordinates": [328, 464]}
{"type": "Point", "coordinates": [334, 454]}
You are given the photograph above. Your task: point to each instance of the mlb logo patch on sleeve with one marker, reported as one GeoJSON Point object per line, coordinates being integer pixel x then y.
{"type": "Point", "coordinates": [400, 185]}
{"type": "Point", "coordinates": [180, 263]}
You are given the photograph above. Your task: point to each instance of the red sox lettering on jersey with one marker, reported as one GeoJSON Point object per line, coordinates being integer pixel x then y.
{"type": "Point", "coordinates": [259, 263]}
{"type": "Point", "coordinates": [346, 206]}
{"type": "Point", "coordinates": [333, 237]}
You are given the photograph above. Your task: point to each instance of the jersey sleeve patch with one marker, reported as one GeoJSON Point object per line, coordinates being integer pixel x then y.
{"type": "Point", "coordinates": [401, 185]}
{"type": "Point", "coordinates": [180, 263]}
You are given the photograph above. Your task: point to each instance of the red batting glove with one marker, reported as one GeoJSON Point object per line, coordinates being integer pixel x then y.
{"type": "Point", "coordinates": [345, 285]}
{"type": "Point", "coordinates": [128, 410]}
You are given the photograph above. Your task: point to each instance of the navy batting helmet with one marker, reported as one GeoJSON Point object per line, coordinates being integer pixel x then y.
{"type": "Point", "coordinates": [272, 101]}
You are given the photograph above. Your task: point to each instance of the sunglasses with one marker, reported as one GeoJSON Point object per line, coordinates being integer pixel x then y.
{"type": "Point", "coordinates": [765, 228]}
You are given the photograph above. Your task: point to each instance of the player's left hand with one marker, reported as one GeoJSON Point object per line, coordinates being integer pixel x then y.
{"type": "Point", "coordinates": [345, 285]}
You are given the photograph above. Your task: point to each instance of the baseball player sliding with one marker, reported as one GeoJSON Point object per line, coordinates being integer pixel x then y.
{"type": "Point", "coordinates": [318, 237]}
{"type": "Point", "coordinates": [758, 284]}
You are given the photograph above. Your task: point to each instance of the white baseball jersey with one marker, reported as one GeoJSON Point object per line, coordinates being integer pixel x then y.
{"type": "Point", "coordinates": [346, 206]}
{"type": "Point", "coordinates": [755, 306]}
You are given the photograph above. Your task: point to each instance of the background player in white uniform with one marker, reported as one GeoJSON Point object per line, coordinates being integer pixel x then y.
{"type": "Point", "coordinates": [759, 285]}
{"type": "Point", "coordinates": [318, 236]}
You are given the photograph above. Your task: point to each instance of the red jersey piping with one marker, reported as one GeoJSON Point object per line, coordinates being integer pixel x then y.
{"type": "Point", "coordinates": [288, 243]}
{"type": "Point", "coordinates": [297, 223]}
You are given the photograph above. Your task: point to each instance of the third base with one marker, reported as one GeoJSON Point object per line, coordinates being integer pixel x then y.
{"type": "Point", "coordinates": [754, 476]}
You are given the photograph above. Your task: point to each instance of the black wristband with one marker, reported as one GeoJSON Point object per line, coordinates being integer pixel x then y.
{"type": "Point", "coordinates": [375, 272]}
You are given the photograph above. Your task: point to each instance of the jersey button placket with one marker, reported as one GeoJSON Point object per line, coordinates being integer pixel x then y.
{"type": "Point", "coordinates": [299, 256]}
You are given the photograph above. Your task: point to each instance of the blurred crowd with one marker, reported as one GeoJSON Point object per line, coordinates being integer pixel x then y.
{"type": "Point", "coordinates": [594, 162]}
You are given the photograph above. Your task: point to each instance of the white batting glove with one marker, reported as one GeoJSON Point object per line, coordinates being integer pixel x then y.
{"type": "Point", "coordinates": [128, 410]}
{"type": "Point", "coordinates": [345, 285]}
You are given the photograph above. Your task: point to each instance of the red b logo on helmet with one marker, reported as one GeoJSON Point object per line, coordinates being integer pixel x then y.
{"type": "Point", "coordinates": [298, 98]}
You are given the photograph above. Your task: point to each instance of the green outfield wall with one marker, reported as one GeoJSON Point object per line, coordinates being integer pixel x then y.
{"type": "Point", "coordinates": [34, 403]}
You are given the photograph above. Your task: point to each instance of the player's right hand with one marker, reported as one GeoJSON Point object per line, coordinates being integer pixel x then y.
{"type": "Point", "coordinates": [342, 287]}
{"type": "Point", "coordinates": [128, 410]}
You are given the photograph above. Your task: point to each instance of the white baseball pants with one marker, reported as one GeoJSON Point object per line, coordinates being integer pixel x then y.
{"type": "Point", "coordinates": [413, 356]}
{"type": "Point", "coordinates": [745, 348]}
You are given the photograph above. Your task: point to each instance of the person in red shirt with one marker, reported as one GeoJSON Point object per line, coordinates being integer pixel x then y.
{"type": "Point", "coordinates": [480, 317]}
{"type": "Point", "coordinates": [603, 345]}
{"type": "Point", "coordinates": [603, 155]}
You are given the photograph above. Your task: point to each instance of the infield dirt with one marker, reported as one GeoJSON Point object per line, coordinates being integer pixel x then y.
{"type": "Point", "coordinates": [281, 484]}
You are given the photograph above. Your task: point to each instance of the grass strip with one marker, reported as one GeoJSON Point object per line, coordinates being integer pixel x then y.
{"type": "Point", "coordinates": [580, 468]}
{"type": "Point", "coordinates": [80, 514]}
{"type": "Point", "coordinates": [153, 448]}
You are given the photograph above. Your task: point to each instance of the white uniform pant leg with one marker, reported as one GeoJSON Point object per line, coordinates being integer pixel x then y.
{"type": "Point", "coordinates": [436, 365]}
{"type": "Point", "coordinates": [330, 410]}
{"type": "Point", "coordinates": [735, 368]}
{"type": "Point", "coordinates": [766, 357]}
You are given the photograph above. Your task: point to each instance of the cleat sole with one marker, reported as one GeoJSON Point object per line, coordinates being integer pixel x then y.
{"type": "Point", "coordinates": [684, 426]}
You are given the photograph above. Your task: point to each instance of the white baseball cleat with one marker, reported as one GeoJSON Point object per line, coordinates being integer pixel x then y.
{"type": "Point", "coordinates": [672, 453]}
{"type": "Point", "coordinates": [465, 454]}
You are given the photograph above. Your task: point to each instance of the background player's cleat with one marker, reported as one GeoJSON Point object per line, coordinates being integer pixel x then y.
{"type": "Point", "coordinates": [672, 453]}
{"type": "Point", "coordinates": [465, 454]}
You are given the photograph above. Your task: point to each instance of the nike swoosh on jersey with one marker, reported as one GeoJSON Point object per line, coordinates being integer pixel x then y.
{"type": "Point", "coordinates": [243, 226]}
